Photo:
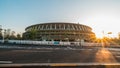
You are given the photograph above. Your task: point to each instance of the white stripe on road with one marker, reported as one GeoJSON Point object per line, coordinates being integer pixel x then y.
{"type": "Point", "coordinates": [57, 64]}
{"type": "Point", "coordinates": [29, 51]}
{"type": "Point", "coordinates": [114, 49]}
{"type": "Point", "coordinates": [118, 56]}
{"type": "Point", "coordinates": [5, 62]}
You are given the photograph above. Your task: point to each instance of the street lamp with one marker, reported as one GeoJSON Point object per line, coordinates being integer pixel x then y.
{"type": "Point", "coordinates": [109, 34]}
{"type": "Point", "coordinates": [102, 40]}
{"type": "Point", "coordinates": [105, 41]}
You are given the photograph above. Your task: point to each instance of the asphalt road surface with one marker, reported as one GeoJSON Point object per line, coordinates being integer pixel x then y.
{"type": "Point", "coordinates": [59, 55]}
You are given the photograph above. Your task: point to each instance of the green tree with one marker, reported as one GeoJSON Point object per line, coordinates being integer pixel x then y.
{"type": "Point", "coordinates": [32, 34]}
{"type": "Point", "coordinates": [0, 33]}
{"type": "Point", "coordinates": [12, 36]}
{"type": "Point", "coordinates": [18, 37]}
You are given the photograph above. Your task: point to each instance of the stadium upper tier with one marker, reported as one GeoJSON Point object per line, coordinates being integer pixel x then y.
{"type": "Point", "coordinates": [59, 26]}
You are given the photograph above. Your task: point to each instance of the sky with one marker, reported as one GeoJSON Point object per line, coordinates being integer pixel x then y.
{"type": "Point", "coordinates": [101, 15]}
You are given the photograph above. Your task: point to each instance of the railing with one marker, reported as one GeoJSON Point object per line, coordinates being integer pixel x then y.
{"type": "Point", "coordinates": [51, 43]}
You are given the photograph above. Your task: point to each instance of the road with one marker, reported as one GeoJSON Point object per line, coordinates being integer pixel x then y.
{"type": "Point", "coordinates": [60, 55]}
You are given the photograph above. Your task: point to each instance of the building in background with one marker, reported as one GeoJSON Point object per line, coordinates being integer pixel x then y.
{"type": "Point", "coordinates": [59, 31]}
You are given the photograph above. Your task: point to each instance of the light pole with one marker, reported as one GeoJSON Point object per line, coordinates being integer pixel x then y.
{"type": "Point", "coordinates": [109, 34]}
{"type": "Point", "coordinates": [105, 40]}
{"type": "Point", "coordinates": [102, 40]}
{"type": "Point", "coordinates": [109, 38]}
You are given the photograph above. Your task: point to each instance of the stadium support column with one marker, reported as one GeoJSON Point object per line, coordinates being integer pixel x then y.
{"type": "Point", "coordinates": [60, 42]}
{"type": "Point", "coordinates": [82, 42]}
{"type": "Point", "coordinates": [78, 41]}
{"type": "Point", "coordinates": [52, 41]}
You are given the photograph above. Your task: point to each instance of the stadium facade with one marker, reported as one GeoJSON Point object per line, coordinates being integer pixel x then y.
{"type": "Point", "coordinates": [59, 31]}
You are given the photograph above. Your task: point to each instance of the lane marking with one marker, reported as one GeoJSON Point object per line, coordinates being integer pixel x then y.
{"type": "Point", "coordinates": [29, 51]}
{"type": "Point", "coordinates": [6, 62]}
{"type": "Point", "coordinates": [118, 56]}
{"type": "Point", "coordinates": [58, 64]}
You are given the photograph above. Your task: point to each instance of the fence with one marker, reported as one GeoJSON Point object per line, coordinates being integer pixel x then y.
{"type": "Point", "coordinates": [51, 43]}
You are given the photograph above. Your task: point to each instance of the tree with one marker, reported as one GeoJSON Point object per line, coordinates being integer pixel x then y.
{"type": "Point", "coordinates": [18, 37]}
{"type": "Point", "coordinates": [0, 31]}
{"type": "Point", "coordinates": [32, 34]}
{"type": "Point", "coordinates": [8, 31]}
{"type": "Point", "coordinates": [12, 36]}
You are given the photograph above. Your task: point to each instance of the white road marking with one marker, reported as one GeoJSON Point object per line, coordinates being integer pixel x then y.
{"type": "Point", "coordinates": [114, 49]}
{"type": "Point", "coordinates": [57, 64]}
{"type": "Point", "coordinates": [6, 62]}
{"type": "Point", "coordinates": [30, 51]}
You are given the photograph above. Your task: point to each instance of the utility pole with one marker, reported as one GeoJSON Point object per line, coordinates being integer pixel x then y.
{"type": "Point", "coordinates": [102, 41]}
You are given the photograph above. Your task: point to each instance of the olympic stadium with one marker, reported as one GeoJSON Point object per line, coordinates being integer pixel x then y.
{"type": "Point", "coordinates": [59, 31]}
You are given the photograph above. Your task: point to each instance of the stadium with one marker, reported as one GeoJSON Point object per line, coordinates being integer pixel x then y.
{"type": "Point", "coordinates": [59, 31]}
